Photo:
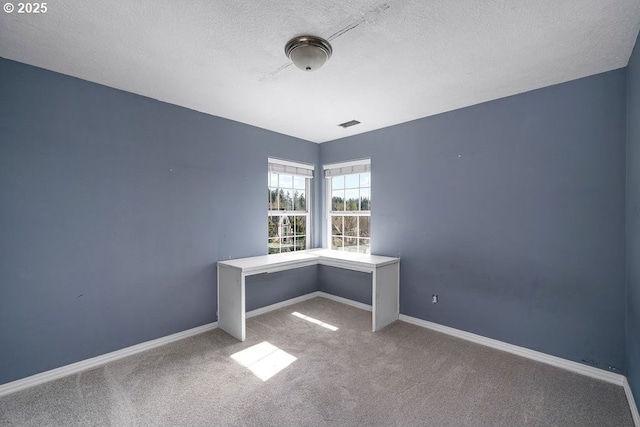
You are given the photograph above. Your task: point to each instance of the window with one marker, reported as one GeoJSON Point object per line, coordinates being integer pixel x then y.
{"type": "Point", "coordinates": [349, 206]}
{"type": "Point", "coordinates": [289, 222]}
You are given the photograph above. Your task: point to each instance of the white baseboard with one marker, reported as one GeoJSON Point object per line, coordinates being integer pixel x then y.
{"type": "Point", "coordinates": [94, 362]}
{"type": "Point", "coordinates": [276, 306]}
{"type": "Point", "coordinates": [97, 361]}
{"type": "Point", "coordinates": [559, 362]}
{"type": "Point", "coordinates": [632, 403]}
{"type": "Point", "coordinates": [346, 301]}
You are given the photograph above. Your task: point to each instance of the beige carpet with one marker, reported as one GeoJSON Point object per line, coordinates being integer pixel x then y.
{"type": "Point", "coordinates": [403, 375]}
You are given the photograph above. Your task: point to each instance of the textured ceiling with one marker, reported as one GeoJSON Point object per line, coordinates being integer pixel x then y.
{"type": "Point", "coordinates": [402, 60]}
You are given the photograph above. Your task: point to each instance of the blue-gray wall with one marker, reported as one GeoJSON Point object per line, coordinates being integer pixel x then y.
{"type": "Point", "coordinates": [513, 212]}
{"type": "Point", "coordinates": [270, 288]}
{"type": "Point", "coordinates": [353, 285]}
{"type": "Point", "coordinates": [115, 207]}
{"type": "Point", "coordinates": [113, 211]}
{"type": "Point", "coordinates": [633, 223]}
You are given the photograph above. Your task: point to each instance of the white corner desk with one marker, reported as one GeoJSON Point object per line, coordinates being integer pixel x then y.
{"type": "Point", "coordinates": [385, 282]}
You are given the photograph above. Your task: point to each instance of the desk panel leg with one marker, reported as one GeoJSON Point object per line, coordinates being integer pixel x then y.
{"type": "Point", "coordinates": [386, 284]}
{"type": "Point", "coordinates": [231, 315]}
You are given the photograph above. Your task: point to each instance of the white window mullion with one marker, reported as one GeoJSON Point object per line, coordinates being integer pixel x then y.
{"type": "Point", "coordinates": [358, 167]}
{"type": "Point", "coordinates": [310, 216]}
{"type": "Point", "coordinates": [351, 213]}
{"type": "Point", "coordinates": [294, 171]}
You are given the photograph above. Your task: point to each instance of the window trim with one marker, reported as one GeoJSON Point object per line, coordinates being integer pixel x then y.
{"type": "Point", "coordinates": [288, 167]}
{"type": "Point", "coordinates": [338, 169]}
{"type": "Point", "coordinates": [347, 168]}
{"type": "Point", "coordinates": [304, 170]}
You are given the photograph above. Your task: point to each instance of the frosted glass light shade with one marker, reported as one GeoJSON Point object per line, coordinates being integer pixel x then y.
{"type": "Point", "coordinates": [308, 52]}
{"type": "Point", "coordinates": [308, 58]}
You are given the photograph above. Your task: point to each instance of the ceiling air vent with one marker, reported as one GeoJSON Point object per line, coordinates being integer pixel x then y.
{"type": "Point", "coordinates": [349, 123]}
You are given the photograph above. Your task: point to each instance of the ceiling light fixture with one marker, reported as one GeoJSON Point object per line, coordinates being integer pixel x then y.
{"type": "Point", "coordinates": [308, 52]}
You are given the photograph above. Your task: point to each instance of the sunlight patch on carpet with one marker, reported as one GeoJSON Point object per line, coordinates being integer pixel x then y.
{"type": "Point", "coordinates": [316, 321]}
{"type": "Point", "coordinates": [264, 359]}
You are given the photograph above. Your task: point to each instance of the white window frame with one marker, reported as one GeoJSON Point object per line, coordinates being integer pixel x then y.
{"type": "Point", "coordinates": [338, 169]}
{"type": "Point", "coordinates": [287, 167]}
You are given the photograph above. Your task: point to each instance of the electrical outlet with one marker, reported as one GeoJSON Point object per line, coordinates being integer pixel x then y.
{"type": "Point", "coordinates": [434, 299]}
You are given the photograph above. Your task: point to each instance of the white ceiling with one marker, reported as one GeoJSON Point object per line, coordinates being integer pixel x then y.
{"type": "Point", "coordinates": [405, 60]}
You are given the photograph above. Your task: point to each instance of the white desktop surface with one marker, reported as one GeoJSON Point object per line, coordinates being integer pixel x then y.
{"type": "Point", "coordinates": [265, 263]}
{"type": "Point", "coordinates": [385, 272]}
